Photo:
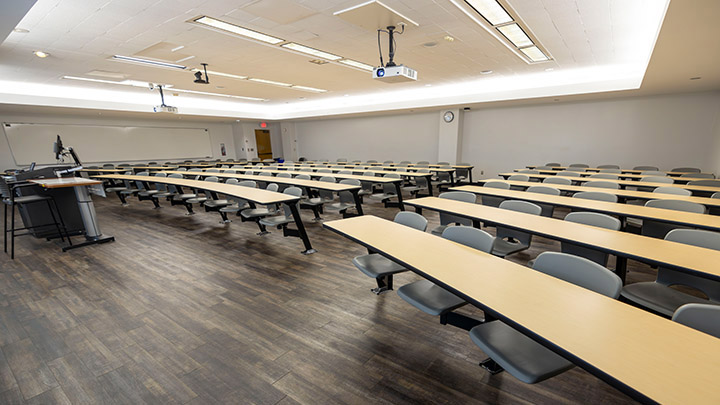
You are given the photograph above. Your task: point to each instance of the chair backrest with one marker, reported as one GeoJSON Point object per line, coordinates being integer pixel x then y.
{"type": "Point", "coordinates": [703, 317]}
{"type": "Point", "coordinates": [715, 195]}
{"type": "Point", "coordinates": [651, 168]}
{"type": "Point", "coordinates": [411, 219]}
{"type": "Point", "coordinates": [543, 190]}
{"type": "Point", "coordinates": [230, 171]}
{"type": "Point", "coordinates": [464, 196]}
{"type": "Point", "coordinates": [372, 161]}
{"type": "Point", "coordinates": [611, 170]}
{"type": "Point", "coordinates": [213, 170]}
{"type": "Point", "coordinates": [345, 172]}
{"type": "Point", "coordinates": [521, 206]}
{"type": "Point", "coordinates": [324, 171]}
{"type": "Point", "coordinates": [673, 190]}
{"type": "Point", "coordinates": [497, 184]}
{"type": "Point", "coordinates": [493, 201]}
{"type": "Point", "coordinates": [248, 183]}
{"type": "Point", "coordinates": [657, 179]}
{"type": "Point", "coordinates": [594, 219]}
{"type": "Point", "coordinates": [392, 176]}
{"type": "Point", "coordinates": [272, 187]}
{"type": "Point", "coordinates": [602, 184]}
{"type": "Point", "coordinates": [678, 205]}
{"type": "Point", "coordinates": [284, 174]}
{"type": "Point", "coordinates": [686, 170]}
{"type": "Point", "coordinates": [182, 169]}
{"type": "Point", "coordinates": [328, 179]}
{"type": "Point", "coordinates": [295, 192]}
{"type": "Point", "coordinates": [596, 195]}
{"type": "Point", "coordinates": [579, 271]}
{"type": "Point", "coordinates": [568, 173]}
{"type": "Point", "coordinates": [388, 162]}
{"type": "Point", "coordinates": [232, 181]}
{"type": "Point", "coordinates": [303, 177]}
{"type": "Point", "coordinates": [706, 183]}
{"type": "Point", "coordinates": [346, 196]}
{"type": "Point", "coordinates": [608, 167]}
{"type": "Point", "coordinates": [424, 162]}
{"type": "Point", "coordinates": [608, 176]}
{"type": "Point", "coordinates": [443, 163]}
{"type": "Point", "coordinates": [557, 180]}
{"type": "Point", "coordinates": [368, 173]}
{"type": "Point", "coordinates": [529, 171]}
{"type": "Point", "coordinates": [519, 177]}
{"type": "Point", "coordinates": [699, 175]}
{"type": "Point", "coordinates": [108, 166]}
{"type": "Point", "coordinates": [469, 236]}
{"type": "Point", "coordinates": [581, 165]}
{"type": "Point", "coordinates": [553, 164]}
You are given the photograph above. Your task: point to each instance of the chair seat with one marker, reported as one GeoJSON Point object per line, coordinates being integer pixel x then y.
{"type": "Point", "coordinates": [429, 298]}
{"type": "Point", "coordinates": [503, 247]}
{"type": "Point", "coordinates": [164, 194]}
{"type": "Point", "coordinates": [255, 212]}
{"type": "Point", "coordinates": [276, 220]}
{"type": "Point", "coordinates": [147, 193]}
{"type": "Point", "coordinates": [659, 298]}
{"type": "Point", "coordinates": [339, 206]}
{"type": "Point", "coordinates": [115, 189]}
{"type": "Point", "coordinates": [376, 266]}
{"type": "Point", "coordinates": [364, 192]}
{"type": "Point", "coordinates": [216, 203]}
{"type": "Point", "coordinates": [525, 359]}
{"type": "Point", "coordinates": [196, 200]}
{"type": "Point", "coordinates": [382, 196]}
{"type": "Point", "coordinates": [184, 196]}
{"type": "Point", "coordinates": [234, 208]}
{"type": "Point", "coordinates": [130, 191]}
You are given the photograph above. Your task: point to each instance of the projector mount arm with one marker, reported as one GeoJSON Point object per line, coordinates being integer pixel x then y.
{"type": "Point", "coordinates": [392, 44]}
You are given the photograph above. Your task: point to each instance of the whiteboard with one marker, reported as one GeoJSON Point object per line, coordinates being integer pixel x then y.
{"type": "Point", "coordinates": [100, 143]}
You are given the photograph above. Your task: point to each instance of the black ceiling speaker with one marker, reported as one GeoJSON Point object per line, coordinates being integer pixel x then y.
{"type": "Point", "coordinates": [198, 76]}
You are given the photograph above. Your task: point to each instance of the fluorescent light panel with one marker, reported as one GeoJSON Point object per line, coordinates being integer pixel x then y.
{"type": "Point", "coordinates": [534, 54]}
{"type": "Point", "coordinates": [491, 10]}
{"type": "Point", "coordinates": [236, 29]}
{"type": "Point", "coordinates": [311, 51]}
{"type": "Point", "coordinates": [132, 59]}
{"type": "Point", "coordinates": [232, 76]}
{"type": "Point", "coordinates": [516, 35]}
{"type": "Point", "coordinates": [310, 89]}
{"type": "Point", "coordinates": [357, 64]}
{"type": "Point", "coordinates": [274, 83]}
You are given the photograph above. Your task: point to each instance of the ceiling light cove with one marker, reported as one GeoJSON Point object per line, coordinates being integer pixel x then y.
{"type": "Point", "coordinates": [311, 51]}
{"type": "Point", "coordinates": [310, 89]}
{"type": "Point", "coordinates": [213, 23]}
{"type": "Point", "coordinates": [271, 82]}
{"type": "Point", "coordinates": [147, 62]}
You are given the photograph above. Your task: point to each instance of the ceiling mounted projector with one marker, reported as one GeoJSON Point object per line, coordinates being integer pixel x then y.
{"type": "Point", "coordinates": [162, 108]}
{"type": "Point", "coordinates": [391, 72]}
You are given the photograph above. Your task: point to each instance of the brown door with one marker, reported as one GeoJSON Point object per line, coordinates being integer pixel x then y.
{"type": "Point", "coordinates": [264, 146]}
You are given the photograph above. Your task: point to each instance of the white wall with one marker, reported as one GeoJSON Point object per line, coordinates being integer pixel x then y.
{"type": "Point", "coordinates": [393, 137]}
{"type": "Point", "coordinates": [715, 152]}
{"type": "Point", "coordinates": [219, 133]}
{"type": "Point", "coordinates": [664, 131]}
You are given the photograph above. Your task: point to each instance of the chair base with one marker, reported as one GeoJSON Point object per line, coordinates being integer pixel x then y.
{"type": "Point", "coordinates": [100, 240]}
{"type": "Point", "coordinates": [491, 366]}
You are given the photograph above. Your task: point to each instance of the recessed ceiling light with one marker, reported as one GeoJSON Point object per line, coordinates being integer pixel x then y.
{"type": "Point", "coordinates": [490, 10]}
{"type": "Point", "coordinates": [534, 53]}
{"type": "Point", "coordinates": [448, 38]}
{"type": "Point", "coordinates": [21, 30]}
{"type": "Point", "coordinates": [696, 78]}
{"type": "Point", "coordinates": [274, 83]}
{"type": "Point", "coordinates": [311, 51]}
{"type": "Point", "coordinates": [177, 48]}
{"type": "Point", "coordinates": [232, 76]}
{"type": "Point", "coordinates": [206, 21]}
{"type": "Point", "coordinates": [41, 54]}
{"type": "Point", "coordinates": [318, 61]}
{"type": "Point", "coordinates": [310, 89]}
{"type": "Point", "coordinates": [486, 72]}
{"type": "Point", "coordinates": [516, 35]}
{"type": "Point", "coordinates": [185, 58]}
{"type": "Point", "coordinates": [357, 64]}
{"type": "Point", "coordinates": [155, 63]}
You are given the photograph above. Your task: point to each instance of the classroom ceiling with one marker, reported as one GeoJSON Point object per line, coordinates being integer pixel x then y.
{"type": "Point", "coordinates": [586, 40]}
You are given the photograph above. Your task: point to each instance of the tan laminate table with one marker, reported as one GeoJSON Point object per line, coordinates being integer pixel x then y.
{"type": "Point", "coordinates": [649, 357]}
{"type": "Point", "coordinates": [595, 169]}
{"type": "Point", "coordinates": [621, 193]}
{"type": "Point", "coordinates": [624, 183]}
{"type": "Point", "coordinates": [306, 184]}
{"type": "Point", "coordinates": [676, 179]}
{"type": "Point", "coordinates": [702, 221]}
{"type": "Point", "coordinates": [254, 195]}
{"type": "Point", "coordinates": [691, 259]}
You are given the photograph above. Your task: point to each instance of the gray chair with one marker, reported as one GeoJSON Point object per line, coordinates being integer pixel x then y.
{"type": "Point", "coordinates": [281, 221]}
{"type": "Point", "coordinates": [596, 195]}
{"type": "Point", "coordinates": [388, 162]}
{"type": "Point", "coordinates": [705, 183]}
{"type": "Point", "coordinates": [654, 179]}
{"type": "Point", "coordinates": [608, 167]}
{"type": "Point", "coordinates": [492, 201]}
{"type": "Point", "coordinates": [607, 176]}
{"type": "Point", "coordinates": [509, 241]}
{"type": "Point", "coordinates": [180, 197]}
{"type": "Point", "coordinates": [686, 170]}
{"type": "Point", "coordinates": [150, 194]}
{"type": "Point", "coordinates": [388, 190]}
{"type": "Point", "coordinates": [568, 173]}
{"type": "Point", "coordinates": [592, 219]}
{"type": "Point", "coordinates": [238, 204]}
{"type": "Point", "coordinates": [659, 297]}
{"type": "Point", "coordinates": [347, 200]}
{"type": "Point", "coordinates": [519, 355]}
{"type": "Point", "coordinates": [529, 171]}
{"type": "Point", "coordinates": [714, 210]}
{"type": "Point", "coordinates": [126, 186]}
{"type": "Point", "coordinates": [699, 175]}
{"type": "Point", "coordinates": [602, 184]}
{"type": "Point", "coordinates": [433, 299]}
{"type": "Point", "coordinates": [213, 202]}
{"type": "Point", "coordinates": [658, 229]}
{"type": "Point", "coordinates": [443, 163]}
{"type": "Point", "coordinates": [139, 186]}
{"type": "Point", "coordinates": [323, 197]}
{"type": "Point", "coordinates": [447, 219]}
{"type": "Point", "coordinates": [703, 317]}
{"type": "Point", "coordinates": [553, 164]}
{"type": "Point", "coordinates": [462, 173]}
{"type": "Point", "coordinates": [579, 165]}
{"type": "Point", "coordinates": [518, 177]}
{"type": "Point", "coordinates": [644, 168]}
{"type": "Point", "coordinates": [259, 212]}
{"type": "Point", "coordinates": [547, 209]}
{"type": "Point", "coordinates": [421, 183]}
{"type": "Point", "coordinates": [382, 269]}
{"type": "Point", "coordinates": [616, 171]}
{"type": "Point", "coordinates": [673, 190]}
{"type": "Point", "coordinates": [557, 180]}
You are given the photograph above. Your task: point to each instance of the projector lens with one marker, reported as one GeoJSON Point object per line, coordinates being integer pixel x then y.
{"type": "Point", "coordinates": [381, 72]}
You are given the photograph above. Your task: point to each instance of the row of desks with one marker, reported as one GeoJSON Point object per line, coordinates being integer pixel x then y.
{"type": "Point", "coordinates": [252, 195]}
{"type": "Point", "coordinates": [595, 169]}
{"type": "Point", "coordinates": [650, 358]}
{"type": "Point", "coordinates": [676, 179]}
{"type": "Point", "coordinates": [623, 183]}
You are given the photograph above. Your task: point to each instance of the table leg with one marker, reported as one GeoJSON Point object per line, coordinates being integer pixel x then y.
{"type": "Point", "coordinates": [301, 228]}
{"type": "Point", "coordinates": [621, 268]}
{"type": "Point", "coordinates": [398, 188]}
{"type": "Point", "coordinates": [358, 204]}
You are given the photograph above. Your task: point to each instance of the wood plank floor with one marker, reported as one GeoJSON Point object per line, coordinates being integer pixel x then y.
{"type": "Point", "coordinates": [183, 309]}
